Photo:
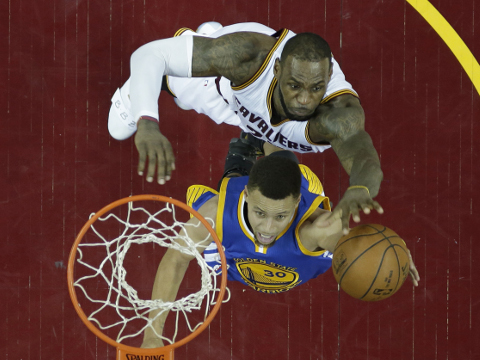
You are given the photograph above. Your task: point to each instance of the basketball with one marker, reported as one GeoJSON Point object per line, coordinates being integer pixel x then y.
{"type": "Point", "coordinates": [371, 263]}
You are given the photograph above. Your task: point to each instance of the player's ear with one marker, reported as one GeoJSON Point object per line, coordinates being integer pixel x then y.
{"type": "Point", "coordinates": [246, 193]}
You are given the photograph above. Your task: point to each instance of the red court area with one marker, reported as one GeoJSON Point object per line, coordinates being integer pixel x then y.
{"type": "Point", "coordinates": [61, 63]}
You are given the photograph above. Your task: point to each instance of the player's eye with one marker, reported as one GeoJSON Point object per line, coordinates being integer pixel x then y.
{"type": "Point", "coordinates": [280, 217]}
{"type": "Point", "coordinates": [259, 213]}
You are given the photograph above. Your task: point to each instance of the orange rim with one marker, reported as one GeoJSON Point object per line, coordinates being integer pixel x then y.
{"type": "Point", "coordinates": [122, 349]}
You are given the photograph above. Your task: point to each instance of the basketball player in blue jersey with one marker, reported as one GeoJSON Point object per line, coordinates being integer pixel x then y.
{"type": "Point", "coordinates": [282, 88]}
{"type": "Point", "coordinates": [270, 224]}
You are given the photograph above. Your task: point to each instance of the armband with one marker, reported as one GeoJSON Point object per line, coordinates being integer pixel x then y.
{"type": "Point", "coordinates": [359, 187]}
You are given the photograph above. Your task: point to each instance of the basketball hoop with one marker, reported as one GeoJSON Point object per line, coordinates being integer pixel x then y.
{"type": "Point", "coordinates": [98, 264]}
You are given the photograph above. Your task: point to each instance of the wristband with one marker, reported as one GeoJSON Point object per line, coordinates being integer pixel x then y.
{"type": "Point", "coordinates": [149, 118]}
{"type": "Point", "coordinates": [359, 187]}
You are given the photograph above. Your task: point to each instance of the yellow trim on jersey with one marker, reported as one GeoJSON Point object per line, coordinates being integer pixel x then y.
{"type": "Point", "coordinates": [307, 133]}
{"type": "Point", "coordinates": [195, 191]}
{"type": "Point", "coordinates": [280, 123]}
{"type": "Point", "coordinates": [182, 30]}
{"type": "Point", "coordinates": [241, 220]}
{"type": "Point", "coordinates": [265, 62]}
{"type": "Point", "coordinates": [314, 184]}
{"type": "Point", "coordinates": [221, 208]}
{"type": "Point", "coordinates": [315, 204]}
{"type": "Point", "coordinates": [270, 96]}
{"type": "Point", "coordinates": [338, 93]}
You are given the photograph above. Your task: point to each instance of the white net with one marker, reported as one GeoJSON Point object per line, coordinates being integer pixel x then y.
{"type": "Point", "coordinates": [114, 303]}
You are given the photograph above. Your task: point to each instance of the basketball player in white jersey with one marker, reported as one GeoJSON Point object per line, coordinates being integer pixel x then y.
{"type": "Point", "coordinates": [282, 88]}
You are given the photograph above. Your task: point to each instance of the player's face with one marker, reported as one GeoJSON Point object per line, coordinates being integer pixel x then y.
{"type": "Point", "coordinates": [301, 86]}
{"type": "Point", "coordinates": [268, 218]}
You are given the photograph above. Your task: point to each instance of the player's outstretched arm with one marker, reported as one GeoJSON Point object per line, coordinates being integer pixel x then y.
{"type": "Point", "coordinates": [358, 154]}
{"type": "Point", "coordinates": [148, 65]}
{"type": "Point", "coordinates": [235, 56]}
{"type": "Point", "coordinates": [172, 269]}
{"type": "Point", "coordinates": [169, 276]}
{"type": "Point", "coordinates": [341, 121]}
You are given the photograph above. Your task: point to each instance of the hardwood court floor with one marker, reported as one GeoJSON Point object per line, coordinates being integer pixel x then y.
{"type": "Point", "coordinates": [60, 65]}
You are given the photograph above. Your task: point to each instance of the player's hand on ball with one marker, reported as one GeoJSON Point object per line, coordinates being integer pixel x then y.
{"type": "Point", "coordinates": [413, 270]}
{"type": "Point", "coordinates": [153, 145]}
{"type": "Point", "coordinates": [354, 200]}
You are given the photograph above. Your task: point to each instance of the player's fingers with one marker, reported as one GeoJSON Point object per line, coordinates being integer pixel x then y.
{"type": "Point", "coordinates": [335, 215]}
{"type": "Point", "coordinates": [169, 161]}
{"type": "Point", "coordinates": [413, 270]}
{"type": "Point", "coordinates": [354, 211]}
{"type": "Point", "coordinates": [142, 158]}
{"type": "Point", "coordinates": [152, 163]}
{"type": "Point", "coordinates": [325, 221]}
{"type": "Point", "coordinates": [366, 209]}
{"type": "Point", "coordinates": [168, 173]}
{"type": "Point", "coordinates": [368, 205]}
{"type": "Point", "coordinates": [161, 167]}
{"type": "Point", "coordinates": [414, 278]}
{"type": "Point", "coordinates": [377, 207]}
{"type": "Point", "coordinates": [345, 223]}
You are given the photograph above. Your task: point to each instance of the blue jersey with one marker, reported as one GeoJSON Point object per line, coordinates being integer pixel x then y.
{"type": "Point", "coordinates": [273, 269]}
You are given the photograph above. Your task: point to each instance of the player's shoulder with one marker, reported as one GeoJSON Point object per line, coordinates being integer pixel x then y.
{"type": "Point", "coordinates": [314, 185]}
{"type": "Point", "coordinates": [210, 207]}
{"type": "Point", "coordinates": [248, 36]}
{"type": "Point", "coordinates": [252, 44]}
{"type": "Point", "coordinates": [249, 27]}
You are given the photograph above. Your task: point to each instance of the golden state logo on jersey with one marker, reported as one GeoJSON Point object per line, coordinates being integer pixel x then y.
{"type": "Point", "coordinates": [267, 278]}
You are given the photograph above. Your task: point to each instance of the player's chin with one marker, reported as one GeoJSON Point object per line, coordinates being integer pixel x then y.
{"type": "Point", "coordinates": [300, 115]}
{"type": "Point", "coordinates": [265, 246]}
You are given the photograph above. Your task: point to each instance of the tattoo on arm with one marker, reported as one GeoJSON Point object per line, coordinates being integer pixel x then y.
{"type": "Point", "coordinates": [342, 123]}
{"type": "Point", "coordinates": [339, 119]}
{"type": "Point", "coordinates": [235, 56]}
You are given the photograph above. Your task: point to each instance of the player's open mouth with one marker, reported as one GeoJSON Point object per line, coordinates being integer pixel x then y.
{"type": "Point", "coordinates": [265, 239]}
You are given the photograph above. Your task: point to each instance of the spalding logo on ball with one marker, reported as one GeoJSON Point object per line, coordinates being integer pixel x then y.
{"type": "Point", "coordinates": [370, 263]}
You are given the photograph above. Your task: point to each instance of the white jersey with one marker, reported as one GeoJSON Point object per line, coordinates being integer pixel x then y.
{"type": "Point", "coordinates": [249, 105]}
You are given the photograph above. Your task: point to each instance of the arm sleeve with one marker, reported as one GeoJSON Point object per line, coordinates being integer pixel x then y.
{"type": "Point", "coordinates": [148, 65]}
